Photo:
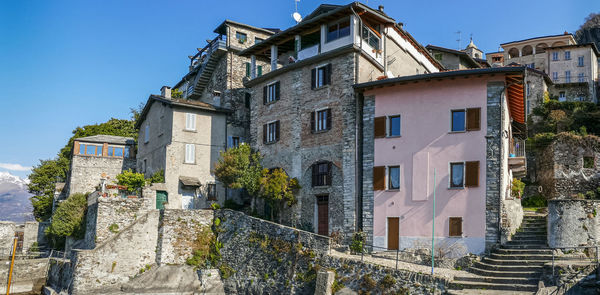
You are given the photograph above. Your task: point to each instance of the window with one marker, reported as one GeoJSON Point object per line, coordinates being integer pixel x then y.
{"type": "Point", "coordinates": [531, 65]}
{"type": "Point", "coordinates": [588, 162]}
{"type": "Point", "coordinates": [554, 55]}
{"type": "Point", "coordinates": [190, 121]}
{"type": "Point", "coordinates": [567, 76]}
{"type": "Point", "coordinates": [456, 175]}
{"type": "Point", "coordinates": [371, 37]}
{"type": "Point", "coordinates": [90, 150]}
{"type": "Point", "coordinates": [379, 126]}
{"type": "Point", "coordinates": [258, 71]}
{"type": "Point", "coordinates": [320, 76]}
{"type": "Point", "coordinates": [580, 61]}
{"type": "Point", "coordinates": [438, 56]}
{"type": "Point", "coordinates": [258, 40]}
{"type": "Point", "coordinates": [320, 120]}
{"type": "Point", "coordinates": [271, 92]}
{"type": "Point", "coordinates": [190, 153]}
{"type": "Point", "coordinates": [394, 126]}
{"type": "Point", "coordinates": [233, 141]}
{"type": "Point", "coordinates": [378, 178]}
{"type": "Point", "coordinates": [115, 151]}
{"type": "Point", "coordinates": [562, 96]}
{"type": "Point", "coordinates": [271, 132]}
{"type": "Point", "coordinates": [321, 174]}
{"type": "Point", "coordinates": [147, 134]}
{"type": "Point", "coordinates": [338, 30]}
{"type": "Point", "coordinates": [458, 121]}
{"type": "Point", "coordinates": [455, 226]}
{"type": "Point", "coordinates": [248, 70]}
{"type": "Point", "coordinates": [581, 77]}
{"type": "Point", "coordinates": [241, 37]}
{"type": "Point", "coordinates": [555, 76]}
{"type": "Point", "coordinates": [211, 191]}
{"type": "Point", "coordinates": [567, 55]}
{"type": "Point", "coordinates": [144, 165]}
{"type": "Point", "coordinates": [393, 177]}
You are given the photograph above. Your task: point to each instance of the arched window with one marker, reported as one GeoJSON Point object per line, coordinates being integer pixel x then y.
{"type": "Point", "coordinates": [541, 48]}
{"type": "Point", "coordinates": [513, 52]}
{"type": "Point", "coordinates": [527, 50]}
{"type": "Point", "coordinates": [321, 173]}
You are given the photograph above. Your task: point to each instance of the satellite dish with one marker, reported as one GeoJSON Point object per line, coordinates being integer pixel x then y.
{"type": "Point", "coordinates": [297, 17]}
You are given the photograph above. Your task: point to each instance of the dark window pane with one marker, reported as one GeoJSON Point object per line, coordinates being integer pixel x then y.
{"type": "Point", "coordinates": [394, 177]}
{"type": "Point", "coordinates": [456, 174]}
{"type": "Point", "coordinates": [458, 120]}
{"type": "Point", "coordinates": [394, 126]}
{"type": "Point", "coordinates": [344, 28]}
{"type": "Point", "coordinates": [118, 152]}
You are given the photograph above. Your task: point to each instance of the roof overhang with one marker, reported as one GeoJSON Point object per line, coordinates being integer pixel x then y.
{"type": "Point", "coordinates": [190, 181]}
{"type": "Point", "coordinates": [179, 103]}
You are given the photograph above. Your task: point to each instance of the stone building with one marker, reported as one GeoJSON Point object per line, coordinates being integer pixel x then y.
{"type": "Point", "coordinates": [574, 71]}
{"type": "Point", "coordinates": [532, 52]}
{"type": "Point", "coordinates": [95, 158]}
{"type": "Point", "coordinates": [183, 138]}
{"type": "Point", "coordinates": [304, 112]}
{"type": "Point", "coordinates": [466, 126]}
{"type": "Point", "coordinates": [495, 59]}
{"type": "Point", "coordinates": [453, 59]}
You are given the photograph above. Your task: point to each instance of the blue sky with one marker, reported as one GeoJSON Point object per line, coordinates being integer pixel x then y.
{"type": "Point", "coordinates": [65, 64]}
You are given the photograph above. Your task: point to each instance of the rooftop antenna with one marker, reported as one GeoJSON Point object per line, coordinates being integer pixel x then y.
{"type": "Point", "coordinates": [458, 40]}
{"type": "Point", "coordinates": [297, 17]}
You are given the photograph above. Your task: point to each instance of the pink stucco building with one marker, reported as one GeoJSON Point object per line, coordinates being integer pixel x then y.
{"type": "Point", "coordinates": [467, 126]}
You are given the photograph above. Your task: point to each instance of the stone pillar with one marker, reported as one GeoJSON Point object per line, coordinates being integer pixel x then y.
{"type": "Point", "coordinates": [253, 66]}
{"type": "Point", "coordinates": [273, 57]}
{"type": "Point", "coordinates": [520, 52]}
{"type": "Point", "coordinates": [324, 282]}
{"type": "Point", "coordinates": [493, 166]}
{"type": "Point", "coordinates": [323, 37]}
{"type": "Point", "coordinates": [368, 149]}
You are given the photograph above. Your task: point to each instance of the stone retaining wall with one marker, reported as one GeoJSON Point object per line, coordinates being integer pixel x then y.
{"type": "Point", "coordinates": [7, 236]}
{"type": "Point", "coordinates": [178, 231]}
{"type": "Point", "coordinates": [28, 275]}
{"type": "Point", "coordinates": [573, 223]}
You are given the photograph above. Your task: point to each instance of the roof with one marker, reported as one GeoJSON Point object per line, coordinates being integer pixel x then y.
{"type": "Point", "coordinates": [189, 181]}
{"type": "Point", "coordinates": [322, 14]}
{"type": "Point", "coordinates": [220, 29]}
{"type": "Point", "coordinates": [593, 45]}
{"type": "Point", "coordinates": [186, 103]}
{"type": "Point", "coordinates": [549, 36]}
{"type": "Point", "coordinates": [456, 52]}
{"type": "Point", "coordinates": [107, 139]}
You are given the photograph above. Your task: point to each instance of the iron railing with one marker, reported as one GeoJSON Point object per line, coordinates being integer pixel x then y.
{"type": "Point", "coordinates": [518, 148]}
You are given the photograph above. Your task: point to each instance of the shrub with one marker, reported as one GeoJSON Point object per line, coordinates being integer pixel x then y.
{"type": "Point", "coordinates": [157, 177]}
{"type": "Point", "coordinates": [114, 228]}
{"type": "Point", "coordinates": [534, 201]}
{"type": "Point", "coordinates": [517, 188]}
{"type": "Point", "coordinates": [387, 282]}
{"type": "Point", "coordinates": [132, 180]}
{"type": "Point", "coordinates": [358, 242]}
{"type": "Point", "coordinates": [68, 219]}
{"type": "Point", "coordinates": [176, 93]}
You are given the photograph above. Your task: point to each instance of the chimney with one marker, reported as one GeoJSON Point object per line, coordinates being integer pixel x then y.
{"type": "Point", "coordinates": [165, 92]}
{"type": "Point", "coordinates": [381, 8]}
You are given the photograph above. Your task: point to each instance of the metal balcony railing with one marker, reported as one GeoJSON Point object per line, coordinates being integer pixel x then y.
{"type": "Point", "coordinates": [518, 148]}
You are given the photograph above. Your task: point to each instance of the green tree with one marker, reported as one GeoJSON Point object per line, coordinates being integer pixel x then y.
{"type": "Point", "coordinates": [278, 189]}
{"type": "Point", "coordinates": [238, 168]}
{"type": "Point", "coordinates": [68, 220]}
{"type": "Point", "coordinates": [132, 180]}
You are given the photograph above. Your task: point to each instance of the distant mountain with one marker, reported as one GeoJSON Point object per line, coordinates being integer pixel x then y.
{"type": "Point", "coordinates": [14, 199]}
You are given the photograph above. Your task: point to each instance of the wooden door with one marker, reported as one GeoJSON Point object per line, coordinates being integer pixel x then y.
{"type": "Point", "coordinates": [161, 199]}
{"type": "Point", "coordinates": [393, 233]}
{"type": "Point", "coordinates": [323, 215]}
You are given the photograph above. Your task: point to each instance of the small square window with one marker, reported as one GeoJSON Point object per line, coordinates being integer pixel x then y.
{"type": "Point", "coordinates": [588, 162]}
{"type": "Point", "coordinates": [567, 55]}
{"type": "Point", "coordinates": [457, 175]}
{"type": "Point", "coordinates": [394, 177]}
{"type": "Point", "coordinates": [458, 120]}
{"type": "Point", "coordinates": [241, 37]}
{"type": "Point", "coordinates": [394, 129]}
{"type": "Point", "coordinates": [562, 96]}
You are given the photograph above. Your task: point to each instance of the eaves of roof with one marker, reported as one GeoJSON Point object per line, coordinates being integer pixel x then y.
{"type": "Point", "coordinates": [179, 103]}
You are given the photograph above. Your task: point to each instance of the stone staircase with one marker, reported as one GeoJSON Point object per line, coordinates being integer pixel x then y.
{"type": "Point", "coordinates": [516, 266]}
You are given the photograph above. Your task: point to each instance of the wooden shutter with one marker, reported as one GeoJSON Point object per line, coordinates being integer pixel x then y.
{"type": "Point", "coordinates": [472, 174]}
{"type": "Point", "coordinates": [259, 69]}
{"type": "Point", "coordinates": [277, 90]}
{"type": "Point", "coordinates": [473, 119]}
{"type": "Point", "coordinates": [379, 178]}
{"type": "Point", "coordinates": [265, 93]}
{"type": "Point", "coordinates": [277, 131]}
{"type": "Point", "coordinates": [315, 174]}
{"type": "Point", "coordinates": [328, 119]}
{"type": "Point", "coordinates": [380, 127]}
{"type": "Point", "coordinates": [265, 133]}
{"type": "Point", "coordinates": [328, 173]}
{"type": "Point", "coordinates": [248, 69]}
{"type": "Point", "coordinates": [328, 74]}
{"type": "Point", "coordinates": [312, 122]}
{"type": "Point", "coordinates": [455, 226]}
{"type": "Point", "coordinates": [313, 78]}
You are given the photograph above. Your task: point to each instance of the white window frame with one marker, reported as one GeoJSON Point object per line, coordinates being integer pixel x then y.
{"type": "Point", "coordinates": [324, 127]}
{"type": "Point", "coordinates": [272, 134]}
{"type": "Point", "coordinates": [555, 76]}
{"type": "Point", "coordinates": [580, 61]}
{"type": "Point", "coordinates": [555, 56]}
{"type": "Point", "coordinates": [388, 177]}
{"type": "Point", "coordinates": [567, 55]}
{"type": "Point", "coordinates": [389, 123]}
{"type": "Point", "coordinates": [147, 133]}
{"type": "Point", "coordinates": [271, 92]}
{"type": "Point", "coordinates": [190, 153]}
{"type": "Point", "coordinates": [337, 23]}
{"type": "Point", "coordinates": [190, 121]}
{"type": "Point", "coordinates": [450, 175]}
{"type": "Point", "coordinates": [322, 77]}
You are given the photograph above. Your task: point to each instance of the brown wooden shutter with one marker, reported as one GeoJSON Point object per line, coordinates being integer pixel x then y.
{"type": "Point", "coordinates": [328, 119]}
{"type": "Point", "coordinates": [379, 127]}
{"type": "Point", "coordinates": [455, 226]}
{"type": "Point", "coordinates": [379, 178]}
{"type": "Point", "coordinates": [277, 90]}
{"type": "Point", "coordinates": [312, 122]}
{"type": "Point", "coordinates": [473, 119]}
{"type": "Point", "coordinates": [313, 78]}
{"type": "Point", "coordinates": [328, 173]}
{"type": "Point", "coordinates": [76, 148]}
{"type": "Point", "coordinates": [328, 74]}
{"type": "Point", "coordinates": [472, 174]}
{"type": "Point", "coordinates": [277, 131]}
{"type": "Point", "coordinates": [265, 91]}
{"type": "Point", "coordinates": [315, 173]}
{"type": "Point", "coordinates": [265, 133]}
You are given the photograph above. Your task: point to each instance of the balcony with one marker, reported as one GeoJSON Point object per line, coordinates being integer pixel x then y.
{"type": "Point", "coordinates": [204, 63]}
{"type": "Point", "coordinates": [517, 161]}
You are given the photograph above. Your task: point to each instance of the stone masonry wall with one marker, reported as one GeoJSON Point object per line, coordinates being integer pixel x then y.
{"type": "Point", "coordinates": [573, 223]}
{"type": "Point", "coordinates": [368, 150]}
{"type": "Point", "coordinates": [7, 236]}
{"type": "Point", "coordinates": [28, 275]}
{"type": "Point", "coordinates": [493, 163]}
{"type": "Point", "coordinates": [86, 171]}
{"type": "Point", "coordinates": [30, 234]}
{"type": "Point", "coordinates": [178, 231]}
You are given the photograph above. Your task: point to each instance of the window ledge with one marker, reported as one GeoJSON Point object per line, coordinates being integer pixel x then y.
{"type": "Point", "coordinates": [186, 163]}
{"type": "Point", "coordinates": [456, 188]}
{"type": "Point", "coordinates": [321, 186]}
{"type": "Point", "coordinates": [393, 136]}
{"type": "Point", "coordinates": [392, 190]}
{"type": "Point", "coordinates": [190, 131]}
{"type": "Point", "coordinates": [321, 88]}
{"type": "Point", "coordinates": [320, 131]}
{"type": "Point", "coordinates": [451, 132]}
{"type": "Point", "coordinates": [270, 102]}
{"type": "Point", "coordinates": [270, 142]}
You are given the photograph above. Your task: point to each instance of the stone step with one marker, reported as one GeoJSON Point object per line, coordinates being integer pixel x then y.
{"type": "Point", "coordinates": [513, 262]}
{"type": "Point", "coordinates": [527, 242]}
{"type": "Point", "coordinates": [512, 274]}
{"type": "Point", "coordinates": [509, 268]}
{"type": "Point", "coordinates": [532, 234]}
{"type": "Point", "coordinates": [514, 256]}
{"type": "Point", "coordinates": [492, 286]}
{"type": "Point", "coordinates": [486, 292]}
{"type": "Point", "coordinates": [525, 246]}
{"type": "Point", "coordinates": [509, 251]}
{"type": "Point", "coordinates": [500, 280]}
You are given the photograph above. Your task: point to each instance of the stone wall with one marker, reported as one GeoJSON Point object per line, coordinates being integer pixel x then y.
{"type": "Point", "coordinates": [86, 171]}
{"type": "Point", "coordinates": [560, 166]}
{"type": "Point", "coordinates": [512, 217]}
{"type": "Point", "coordinates": [118, 258]}
{"type": "Point", "coordinates": [30, 234]}
{"type": "Point", "coordinates": [178, 231]}
{"type": "Point", "coordinates": [493, 163]}
{"type": "Point", "coordinates": [7, 236]}
{"type": "Point", "coordinates": [573, 223]}
{"type": "Point", "coordinates": [28, 275]}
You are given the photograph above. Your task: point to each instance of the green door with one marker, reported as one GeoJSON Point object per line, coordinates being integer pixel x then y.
{"type": "Point", "coordinates": [161, 199]}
